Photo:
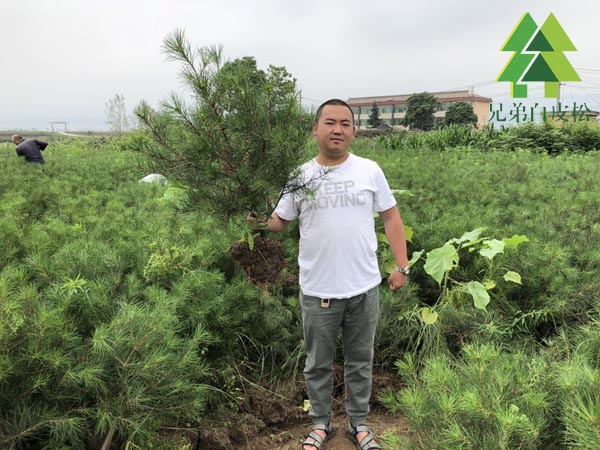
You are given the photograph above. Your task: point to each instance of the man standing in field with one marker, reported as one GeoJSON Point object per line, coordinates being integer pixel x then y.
{"type": "Point", "coordinates": [31, 149]}
{"type": "Point", "coordinates": [339, 272]}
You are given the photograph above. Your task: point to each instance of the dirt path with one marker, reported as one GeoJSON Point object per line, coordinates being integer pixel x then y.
{"type": "Point", "coordinates": [270, 420]}
{"type": "Point", "coordinates": [247, 436]}
{"type": "Point", "coordinates": [379, 421]}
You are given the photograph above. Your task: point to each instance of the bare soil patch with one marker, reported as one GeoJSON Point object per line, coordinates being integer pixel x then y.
{"type": "Point", "coordinates": [270, 420]}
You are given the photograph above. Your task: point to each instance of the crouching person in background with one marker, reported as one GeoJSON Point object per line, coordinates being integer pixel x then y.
{"type": "Point", "coordinates": [30, 149]}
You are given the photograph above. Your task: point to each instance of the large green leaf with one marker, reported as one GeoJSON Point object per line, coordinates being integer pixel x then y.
{"type": "Point", "coordinates": [429, 316]}
{"type": "Point", "coordinates": [492, 248]}
{"type": "Point", "coordinates": [469, 236]}
{"type": "Point", "coordinates": [440, 261]}
{"type": "Point", "coordinates": [489, 284]}
{"type": "Point", "coordinates": [480, 295]}
{"type": "Point", "coordinates": [515, 277]}
{"type": "Point", "coordinates": [415, 257]}
{"type": "Point", "coordinates": [515, 240]}
{"type": "Point", "coordinates": [409, 233]}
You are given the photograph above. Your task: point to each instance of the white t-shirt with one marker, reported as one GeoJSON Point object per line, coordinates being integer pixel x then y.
{"type": "Point", "coordinates": [338, 244]}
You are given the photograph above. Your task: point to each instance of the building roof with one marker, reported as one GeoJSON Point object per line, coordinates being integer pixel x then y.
{"type": "Point", "coordinates": [445, 96]}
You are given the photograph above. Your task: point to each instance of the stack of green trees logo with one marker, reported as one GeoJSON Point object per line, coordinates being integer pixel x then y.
{"type": "Point", "coordinates": [538, 57]}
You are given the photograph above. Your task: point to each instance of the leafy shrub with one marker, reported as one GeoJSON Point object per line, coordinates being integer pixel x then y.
{"type": "Point", "coordinates": [582, 136]}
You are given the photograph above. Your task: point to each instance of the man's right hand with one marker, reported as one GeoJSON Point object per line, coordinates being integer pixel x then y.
{"type": "Point", "coordinates": [255, 223]}
{"type": "Point", "coordinates": [273, 224]}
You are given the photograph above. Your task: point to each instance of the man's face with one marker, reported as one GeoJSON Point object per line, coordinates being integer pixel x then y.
{"type": "Point", "coordinates": [334, 131]}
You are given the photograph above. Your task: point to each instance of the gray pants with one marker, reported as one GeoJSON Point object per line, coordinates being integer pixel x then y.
{"type": "Point", "coordinates": [357, 316]}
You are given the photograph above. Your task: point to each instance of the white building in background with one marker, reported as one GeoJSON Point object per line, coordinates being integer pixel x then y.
{"type": "Point", "coordinates": [392, 108]}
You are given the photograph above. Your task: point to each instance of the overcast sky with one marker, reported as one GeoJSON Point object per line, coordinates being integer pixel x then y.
{"type": "Point", "coordinates": [64, 59]}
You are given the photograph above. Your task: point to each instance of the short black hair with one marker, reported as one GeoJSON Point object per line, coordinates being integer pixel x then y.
{"type": "Point", "coordinates": [333, 101]}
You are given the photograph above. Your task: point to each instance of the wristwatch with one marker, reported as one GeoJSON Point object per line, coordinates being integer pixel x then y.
{"type": "Point", "coordinates": [405, 271]}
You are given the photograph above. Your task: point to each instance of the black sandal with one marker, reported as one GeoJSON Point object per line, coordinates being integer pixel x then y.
{"type": "Point", "coordinates": [367, 442]}
{"type": "Point", "coordinates": [316, 441]}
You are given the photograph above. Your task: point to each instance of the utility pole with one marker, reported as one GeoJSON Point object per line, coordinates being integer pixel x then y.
{"type": "Point", "coordinates": [558, 97]}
